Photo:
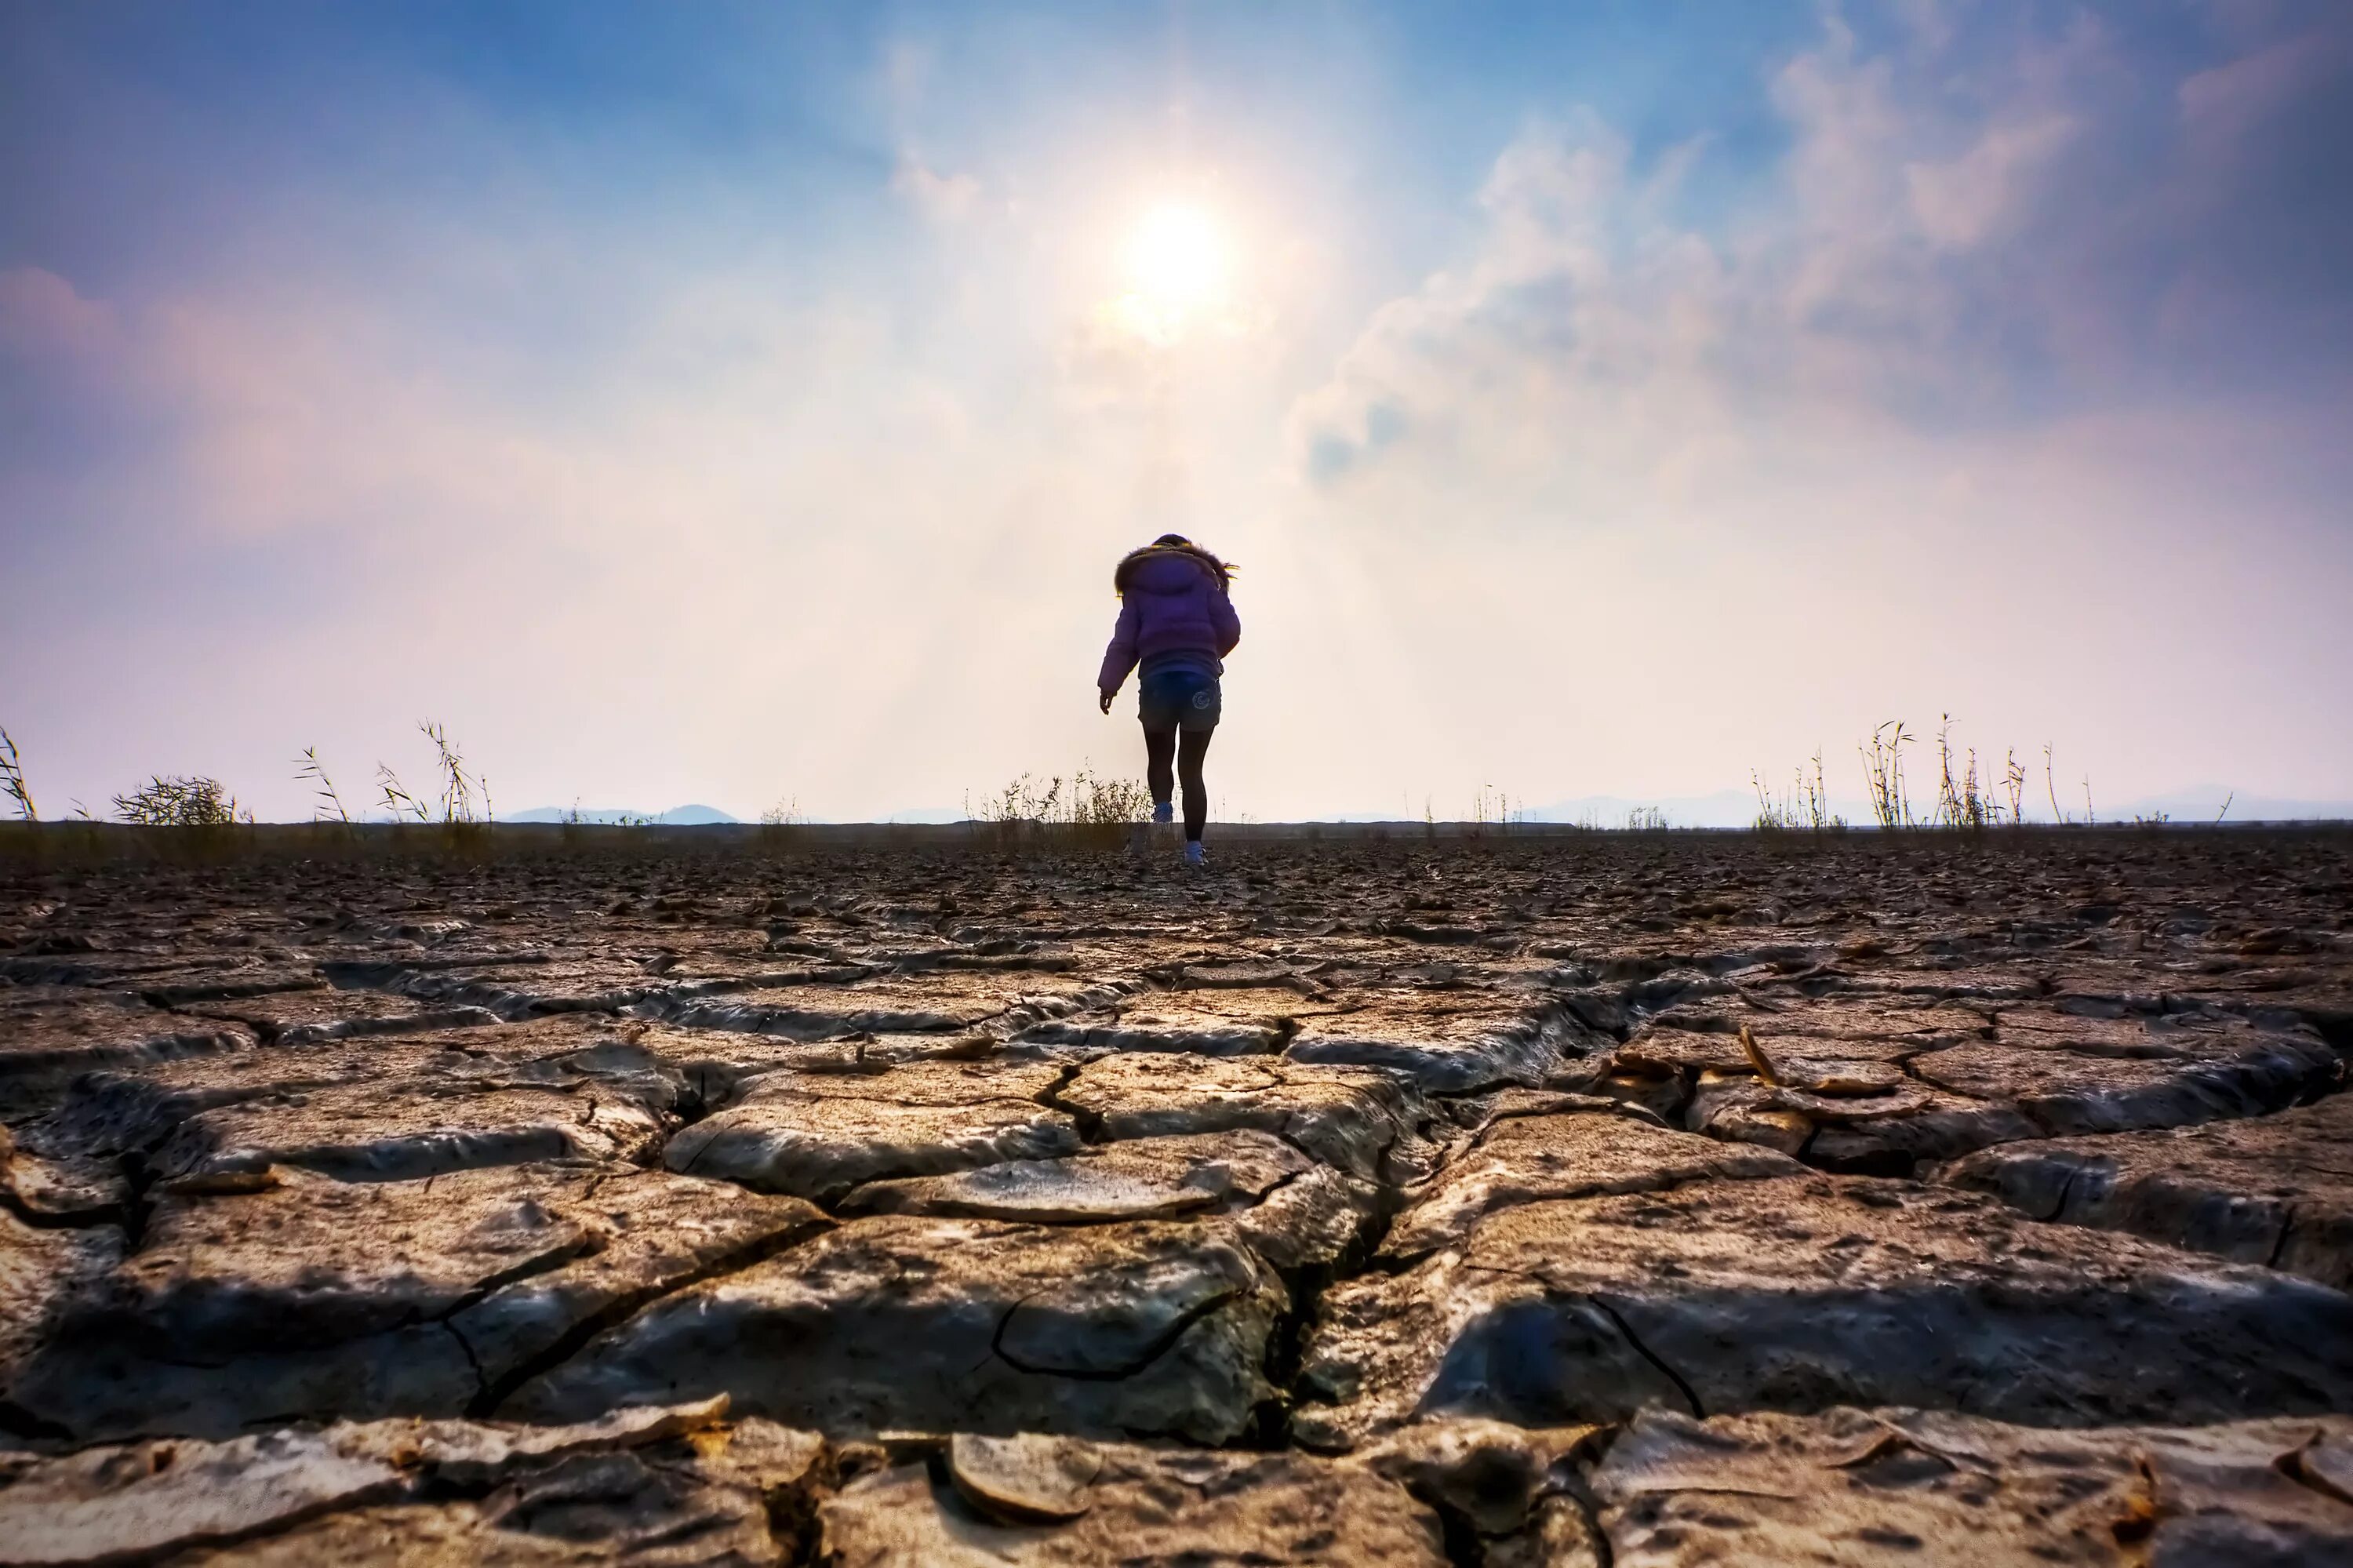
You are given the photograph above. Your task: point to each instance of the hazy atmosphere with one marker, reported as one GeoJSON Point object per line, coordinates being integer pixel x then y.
{"type": "Point", "coordinates": [740, 404]}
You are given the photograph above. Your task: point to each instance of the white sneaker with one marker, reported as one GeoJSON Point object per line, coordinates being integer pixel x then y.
{"type": "Point", "coordinates": [1195, 855]}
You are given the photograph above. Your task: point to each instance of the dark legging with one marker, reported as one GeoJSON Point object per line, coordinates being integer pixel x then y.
{"type": "Point", "coordinates": [1170, 755]}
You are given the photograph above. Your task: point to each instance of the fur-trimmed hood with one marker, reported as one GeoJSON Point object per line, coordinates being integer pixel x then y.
{"type": "Point", "coordinates": [1172, 600]}
{"type": "Point", "coordinates": [1142, 567]}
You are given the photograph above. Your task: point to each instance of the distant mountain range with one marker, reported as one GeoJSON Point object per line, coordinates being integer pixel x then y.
{"type": "Point", "coordinates": [676, 816]}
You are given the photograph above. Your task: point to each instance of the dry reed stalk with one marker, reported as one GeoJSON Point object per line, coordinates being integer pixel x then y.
{"type": "Point", "coordinates": [396, 798]}
{"type": "Point", "coordinates": [1817, 798]}
{"type": "Point", "coordinates": [12, 779]}
{"type": "Point", "coordinates": [1883, 770]}
{"type": "Point", "coordinates": [314, 773]}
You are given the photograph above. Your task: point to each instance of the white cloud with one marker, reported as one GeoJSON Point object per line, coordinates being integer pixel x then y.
{"type": "Point", "coordinates": [1962, 238]}
{"type": "Point", "coordinates": [1920, 433]}
{"type": "Point", "coordinates": [941, 198]}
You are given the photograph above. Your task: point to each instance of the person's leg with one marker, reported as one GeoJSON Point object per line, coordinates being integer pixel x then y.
{"type": "Point", "coordinates": [1193, 745]}
{"type": "Point", "coordinates": [1159, 767]}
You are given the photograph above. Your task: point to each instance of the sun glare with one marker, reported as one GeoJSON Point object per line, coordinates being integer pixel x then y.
{"type": "Point", "coordinates": [1178, 259]}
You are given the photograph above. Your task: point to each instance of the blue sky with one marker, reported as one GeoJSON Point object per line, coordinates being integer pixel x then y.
{"type": "Point", "coordinates": [747, 403]}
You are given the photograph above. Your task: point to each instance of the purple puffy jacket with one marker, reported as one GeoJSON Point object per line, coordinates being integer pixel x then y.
{"type": "Point", "coordinates": [1172, 600]}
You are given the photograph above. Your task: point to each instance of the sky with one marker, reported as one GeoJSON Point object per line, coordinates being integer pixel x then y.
{"type": "Point", "coordinates": [747, 404]}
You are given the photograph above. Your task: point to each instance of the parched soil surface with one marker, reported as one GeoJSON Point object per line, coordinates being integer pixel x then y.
{"type": "Point", "coordinates": [1594, 1199]}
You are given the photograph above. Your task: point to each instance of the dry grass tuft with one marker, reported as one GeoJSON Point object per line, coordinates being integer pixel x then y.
{"type": "Point", "coordinates": [780, 825]}
{"type": "Point", "coordinates": [1960, 802]}
{"type": "Point", "coordinates": [12, 779]}
{"type": "Point", "coordinates": [177, 802]}
{"type": "Point", "coordinates": [461, 821]}
{"type": "Point", "coordinates": [1079, 812]}
{"type": "Point", "coordinates": [1968, 798]}
{"type": "Point", "coordinates": [1492, 811]}
{"type": "Point", "coordinates": [1882, 773]}
{"type": "Point", "coordinates": [314, 773]}
{"type": "Point", "coordinates": [1807, 805]}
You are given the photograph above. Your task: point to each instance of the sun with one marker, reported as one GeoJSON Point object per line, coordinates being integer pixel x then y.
{"type": "Point", "coordinates": [1178, 259]}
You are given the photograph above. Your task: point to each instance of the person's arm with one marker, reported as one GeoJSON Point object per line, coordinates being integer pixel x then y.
{"type": "Point", "coordinates": [1227, 624]}
{"type": "Point", "coordinates": [1120, 657]}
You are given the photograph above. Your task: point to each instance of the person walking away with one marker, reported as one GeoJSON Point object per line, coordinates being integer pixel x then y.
{"type": "Point", "coordinates": [1177, 619]}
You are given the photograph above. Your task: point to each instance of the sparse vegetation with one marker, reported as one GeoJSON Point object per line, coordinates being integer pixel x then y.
{"type": "Point", "coordinates": [172, 801]}
{"type": "Point", "coordinates": [779, 824]}
{"type": "Point", "coordinates": [12, 779]}
{"type": "Point", "coordinates": [458, 787]}
{"type": "Point", "coordinates": [1882, 772]}
{"type": "Point", "coordinates": [1968, 796]}
{"type": "Point", "coordinates": [1807, 805]}
{"type": "Point", "coordinates": [396, 800]}
{"type": "Point", "coordinates": [1960, 802]}
{"type": "Point", "coordinates": [2050, 787]}
{"type": "Point", "coordinates": [1080, 812]}
{"type": "Point", "coordinates": [1491, 808]}
{"type": "Point", "coordinates": [462, 818]}
{"type": "Point", "coordinates": [314, 774]}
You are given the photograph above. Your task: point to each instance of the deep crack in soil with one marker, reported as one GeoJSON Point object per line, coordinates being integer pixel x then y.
{"type": "Point", "coordinates": [2078, 1096]}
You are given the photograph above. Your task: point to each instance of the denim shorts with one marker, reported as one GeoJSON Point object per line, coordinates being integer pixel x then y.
{"type": "Point", "coordinates": [1177, 699]}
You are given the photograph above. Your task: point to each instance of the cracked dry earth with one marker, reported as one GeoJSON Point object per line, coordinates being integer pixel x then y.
{"type": "Point", "coordinates": [1357, 1203]}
